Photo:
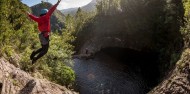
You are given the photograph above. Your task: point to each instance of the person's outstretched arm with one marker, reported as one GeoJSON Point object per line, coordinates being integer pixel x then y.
{"type": "Point", "coordinates": [51, 10]}
{"type": "Point", "coordinates": [30, 15]}
{"type": "Point", "coordinates": [33, 17]}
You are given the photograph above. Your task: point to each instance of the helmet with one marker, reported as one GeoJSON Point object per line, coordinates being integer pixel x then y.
{"type": "Point", "coordinates": [43, 11]}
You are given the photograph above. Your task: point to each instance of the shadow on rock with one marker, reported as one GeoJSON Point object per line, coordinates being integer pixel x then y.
{"type": "Point", "coordinates": [1, 85]}
{"type": "Point", "coordinates": [28, 87]}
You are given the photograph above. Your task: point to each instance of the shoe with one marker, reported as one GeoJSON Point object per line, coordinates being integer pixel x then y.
{"type": "Point", "coordinates": [32, 55]}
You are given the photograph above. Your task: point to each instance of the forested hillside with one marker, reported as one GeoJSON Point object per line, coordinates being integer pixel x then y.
{"type": "Point", "coordinates": [19, 37]}
{"type": "Point", "coordinates": [88, 8]}
{"type": "Point", "coordinates": [141, 26]}
{"type": "Point", "coordinates": [151, 25]}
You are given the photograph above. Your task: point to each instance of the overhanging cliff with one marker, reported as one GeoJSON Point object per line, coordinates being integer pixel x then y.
{"type": "Point", "coordinates": [138, 25]}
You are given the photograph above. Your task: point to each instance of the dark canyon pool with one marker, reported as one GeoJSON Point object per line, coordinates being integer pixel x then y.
{"type": "Point", "coordinates": [115, 72]}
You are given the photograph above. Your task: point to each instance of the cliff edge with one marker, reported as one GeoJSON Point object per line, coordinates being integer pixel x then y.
{"type": "Point", "coordinates": [16, 81]}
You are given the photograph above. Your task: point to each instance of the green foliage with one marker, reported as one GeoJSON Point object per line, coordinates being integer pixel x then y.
{"type": "Point", "coordinates": [186, 4]}
{"type": "Point", "coordinates": [15, 82]}
{"type": "Point", "coordinates": [25, 63]}
{"type": "Point", "coordinates": [14, 26]}
{"type": "Point", "coordinates": [159, 19]}
{"type": "Point", "coordinates": [69, 23]}
{"type": "Point", "coordinates": [108, 7]}
{"type": "Point", "coordinates": [82, 19]}
{"type": "Point", "coordinates": [20, 35]}
{"type": "Point", "coordinates": [52, 65]}
{"type": "Point", "coordinates": [185, 30]}
{"type": "Point", "coordinates": [63, 74]}
{"type": "Point", "coordinates": [74, 24]}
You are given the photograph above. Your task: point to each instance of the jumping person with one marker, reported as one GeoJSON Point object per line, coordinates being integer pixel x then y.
{"type": "Point", "coordinates": [44, 31]}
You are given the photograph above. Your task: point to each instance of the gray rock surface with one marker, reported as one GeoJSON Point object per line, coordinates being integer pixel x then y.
{"type": "Point", "coordinates": [16, 81]}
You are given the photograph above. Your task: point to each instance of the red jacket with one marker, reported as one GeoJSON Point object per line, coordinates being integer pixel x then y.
{"type": "Point", "coordinates": [44, 21]}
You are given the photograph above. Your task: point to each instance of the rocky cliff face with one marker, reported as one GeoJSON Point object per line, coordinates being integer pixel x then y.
{"type": "Point", "coordinates": [15, 81]}
{"type": "Point", "coordinates": [178, 81]}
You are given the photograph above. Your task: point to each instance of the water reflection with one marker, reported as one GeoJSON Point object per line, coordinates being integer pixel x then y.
{"type": "Point", "coordinates": [104, 75]}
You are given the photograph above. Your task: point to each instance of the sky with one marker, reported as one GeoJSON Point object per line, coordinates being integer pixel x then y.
{"type": "Point", "coordinates": [64, 4]}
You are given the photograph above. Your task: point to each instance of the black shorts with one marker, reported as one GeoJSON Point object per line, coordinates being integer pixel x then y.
{"type": "Point", "coordinates": [43, 40]}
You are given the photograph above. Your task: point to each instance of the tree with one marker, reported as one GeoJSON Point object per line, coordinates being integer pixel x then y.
{"type": "Point", "coordinates": [19, 36]}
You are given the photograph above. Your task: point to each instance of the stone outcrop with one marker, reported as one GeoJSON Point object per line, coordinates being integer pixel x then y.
{"type": "Point", "coordinates": [178, 82]}
{"type": "Point", "coordinates": [15, 81]}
